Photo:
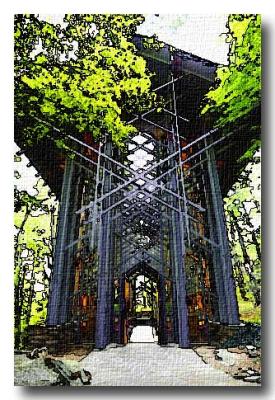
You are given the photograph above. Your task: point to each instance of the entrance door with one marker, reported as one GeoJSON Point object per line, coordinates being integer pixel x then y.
{"type": "Point", "coordinates": [142, 303]}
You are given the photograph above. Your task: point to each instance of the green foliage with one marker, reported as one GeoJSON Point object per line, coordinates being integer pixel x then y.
{"type": "Point", "coordinates": [83, 76]}
{"type": "Point", "coordinates": [152, 43]}
{"type": "Point", "coordinates": [22, 199]}
{"type": "Point", "coordinates": [236, 91]}
{"type": "Point", "coordinates": [34, 221]}
{"type": "Point", "coordinates": [247, 309]}
{"type": "Point", "coordinates": [248, 155]}
{"type": "Point", "coordinates": [242, 208]}
{"type": "Point", "coordinates": [235, 95]}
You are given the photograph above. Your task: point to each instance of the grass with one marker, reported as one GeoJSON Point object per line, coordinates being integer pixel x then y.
{"type": "Point", "coordinates": [248, 311]}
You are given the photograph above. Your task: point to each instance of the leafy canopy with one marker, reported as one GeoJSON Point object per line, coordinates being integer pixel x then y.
{"type": "Point", "coordinates": [81, 76]}
{"type": "Point", "coordinates": [237, 87]}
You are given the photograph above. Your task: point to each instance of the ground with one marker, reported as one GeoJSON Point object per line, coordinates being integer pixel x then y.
{"type": "Point", "coordinates": [144, 363]}
{"type": "Point", "coordinates": [147, 364]}
{"type": "Point", "coordinates": [240, 362]}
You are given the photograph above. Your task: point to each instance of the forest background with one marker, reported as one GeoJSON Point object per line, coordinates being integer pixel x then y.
{"type": "Point", "coordinates": [36, 210]}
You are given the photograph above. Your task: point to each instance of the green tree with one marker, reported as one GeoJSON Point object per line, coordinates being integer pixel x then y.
{"type": "Point", "coordinates": [232, 101]}
{"type": "Point", "coordinates": [242, 208]}
{"type": "Point", "coordinates": [237, 89]}
{"type": "Point", "coordinates": [34, 220]}
{"type": "Point", "coordinates": [81, 76]}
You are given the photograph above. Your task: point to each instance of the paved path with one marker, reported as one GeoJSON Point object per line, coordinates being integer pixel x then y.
{"type": "Point", "coordinates": [147, 364]}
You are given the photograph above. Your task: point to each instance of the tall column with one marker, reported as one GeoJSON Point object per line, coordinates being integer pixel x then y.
{"type": "Point", "coordinates": [174, 289]}
{"type": "Point", "coordinates": [177, 249]}
{"type": "Point", "coordinates": [177, 239]}
{"type": "Point", "coordinates": [104, 268]}
{"type": "Point", "coordinates": [229, 306]}
{"type": "Point", "coordinates": [220, 306]}
{"type": "Point", "coordinates": [69, 278]}
{"type": "Point", "coordinates": [162, 294]}
{"type": "Point", "coordinates": [57, 296]}
{"type": "Point", "coordinates": [101, 335]}
{"type": "Point", "coordinates": [122, 303]}
{"type": "Point", "coordinates": [122, 309]}
{"type": "Point", "coordinates": [110, 290]}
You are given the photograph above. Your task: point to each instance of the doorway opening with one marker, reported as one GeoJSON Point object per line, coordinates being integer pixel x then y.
{"type": "Point", "coordinates": [141, 296]}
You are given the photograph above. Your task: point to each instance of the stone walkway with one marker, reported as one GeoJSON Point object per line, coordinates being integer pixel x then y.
{"type": "Point", "coordinates": [147, 364]}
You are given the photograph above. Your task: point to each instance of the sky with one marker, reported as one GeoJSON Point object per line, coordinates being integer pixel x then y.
{"type": "Point", "coordinates": [200, 34]}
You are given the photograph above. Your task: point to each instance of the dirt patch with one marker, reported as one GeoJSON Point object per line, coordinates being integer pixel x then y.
{"type": "Point", "coordinates": [75, 353]}
{"type": "Point", "coordinates": [243, 362]}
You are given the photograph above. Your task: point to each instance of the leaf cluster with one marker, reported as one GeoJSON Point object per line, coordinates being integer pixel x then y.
{"type": "Point", "coordinates": [81, 76]}
{"type": "Point", "coordinates": [236, 91]}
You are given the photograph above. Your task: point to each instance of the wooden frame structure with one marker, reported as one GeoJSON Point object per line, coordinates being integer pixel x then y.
{"type": "Point", "coordinates": [158, 204]}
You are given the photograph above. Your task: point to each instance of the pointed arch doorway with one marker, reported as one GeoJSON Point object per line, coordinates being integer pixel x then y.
{"type": "Point", "coordinates": [142, 304]}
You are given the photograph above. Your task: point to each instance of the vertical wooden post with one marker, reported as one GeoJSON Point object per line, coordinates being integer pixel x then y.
{"type": "Point", "coordinates": [101, 338]}
{"type": "Point", "coordinates": [222, 258]}
{"type": "Point", "coordinates": [162, 296]}
{"type": "Point", "coordinates": [57, 297]}
{"type": "Point", "coordinates": [104, 268]}
{"type": "Point", "coordinates": [177, 249]}
{"type": "Point", "coordinates": [179, 280]}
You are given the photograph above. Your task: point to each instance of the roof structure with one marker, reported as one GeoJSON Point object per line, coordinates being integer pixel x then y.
{"type": "Point", "coordinates": [193, 78]}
